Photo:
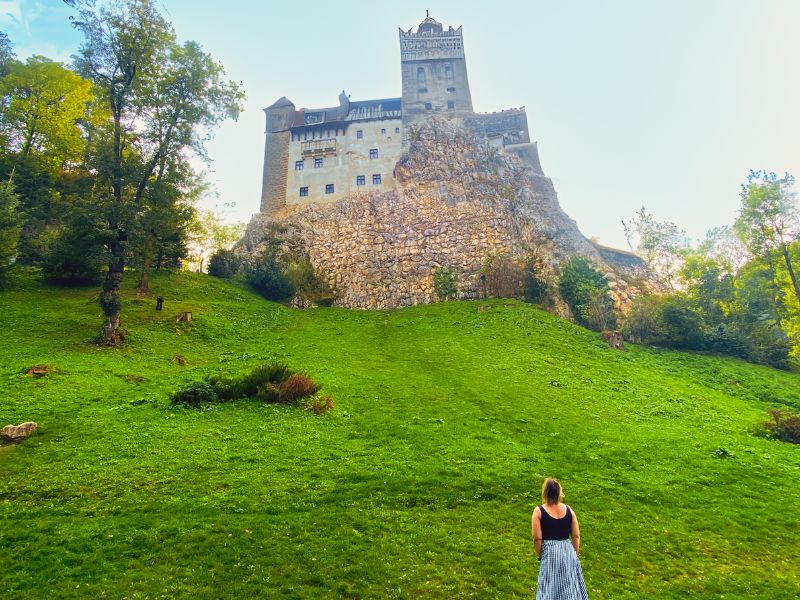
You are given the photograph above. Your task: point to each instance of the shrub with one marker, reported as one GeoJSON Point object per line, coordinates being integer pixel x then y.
{"type": "Point", "coordinates": [784, 426]}
{"type": "Point", "coordinates": [307, 284]}
{"type": "Point", "coordinates": [195, 394]}
{"type": "Point", "coordinates": [10, 223]}
{"type": "Point", "coordinates": [296, 387]}
{"type": "Point", "coordinates": [265, 274]}
{"type": "Point", "coordinates": [224, 264]}
{"type": "Point", "coordinates": [585, 290]}
{"type": "Point", "coordinates": [322, 405]}
{"type": "Point", "coordinates": [252, 384]}
{"type": "Point", "coordinates": [534, 282]}
{"type": "Point", "coordinates": [503, 276]}
{"type": "Point", "coordinates": [445, 283]}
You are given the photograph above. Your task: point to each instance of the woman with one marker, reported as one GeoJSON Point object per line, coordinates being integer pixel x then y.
{"type": "Point", "coordinates": [552, 525]}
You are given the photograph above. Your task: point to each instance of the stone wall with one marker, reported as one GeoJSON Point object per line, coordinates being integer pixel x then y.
{"type": "Point", "coordinates": [457, 202]}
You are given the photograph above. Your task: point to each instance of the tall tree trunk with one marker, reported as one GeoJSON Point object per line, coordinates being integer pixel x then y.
{"type": "Point", "coordinates": [788, 259]}
{"type": "Point", "coordinates": [144, 277]}
{"type": "Point", "coordinates": [160, 257]}
{"type": "Point", "coordinates": [109, 297]}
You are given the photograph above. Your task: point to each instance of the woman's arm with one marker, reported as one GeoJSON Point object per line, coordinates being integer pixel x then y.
{"type": "Point", "coordinates": [576, 533]}
{"type": "Point", "coordinates": [536, 532]}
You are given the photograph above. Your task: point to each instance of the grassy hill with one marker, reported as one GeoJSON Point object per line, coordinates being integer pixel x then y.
{"type": "Point", "coordinates": [419, 484]}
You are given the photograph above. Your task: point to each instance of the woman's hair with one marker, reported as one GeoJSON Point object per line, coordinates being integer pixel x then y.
{"type": "Point", "coordinates": [551, 491]}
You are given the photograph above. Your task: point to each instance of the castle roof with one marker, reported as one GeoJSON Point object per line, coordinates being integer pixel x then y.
{"type": "Point", "coordinates": [429, 24]}
{"type": "Point", "coordinates": [360, 110]}
{"type": "Point", "coordinates": [280, 102]}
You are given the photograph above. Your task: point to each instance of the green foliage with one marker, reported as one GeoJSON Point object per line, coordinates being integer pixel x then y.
{"type": "Point", "coordinates": [224, 264]}
{"type": "Point", "coordinates": [445, 283]}
{"type": "Point", "coordinates": [195, 394]}
{"type": "Point", "coordinates": [253, 384]}
{"type": "Point", "coordinates": [43, 104]}
{"type": "Point", "coordinates": [535, 286]}
{"type": "Point", "coordinates": [77, 253]}
{"type": "Point", "coordinates": [661, 244]}
{"type": "Point", "coordinates": [300, 273]}
{"type": "Point", "coordinates": [784, 426]}
{"type": "Point", "coordinates": [265, 273]}
{"type": "Point", "coordinates": [585, 290]}
{"type": "Point", "coordinates": [9, 230]}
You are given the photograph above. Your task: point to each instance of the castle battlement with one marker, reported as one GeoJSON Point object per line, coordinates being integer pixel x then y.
{"type": "Point", "coordinates": [324, 154]}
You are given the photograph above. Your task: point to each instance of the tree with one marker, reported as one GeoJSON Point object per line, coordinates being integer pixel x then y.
{"type": "Point", "coordinates": [445, 283]}
{"type": "Point", "coordinates": [6, 53]}
{"type": "Point", "coordinates": [660, 244]}
{"type": "Point", "coordinates": [42, 106]}
{"type": "Point", "coordinates": [585, 290]}
{"type": "Point", "coordinates": [769, 218]}
{"type": "Point", "coordinates": [9, 229]}
{"type": "Point", "coordinates": [210, 235]}
{"type": "Point", "coordinates": [164, 99]}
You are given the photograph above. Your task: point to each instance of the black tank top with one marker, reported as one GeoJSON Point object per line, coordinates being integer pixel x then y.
{"type": "Point", "coordinates": [556, 529]}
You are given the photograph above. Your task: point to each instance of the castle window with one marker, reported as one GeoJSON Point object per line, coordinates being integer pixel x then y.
{"type": "Point", "coordinates": [361, 180]}
{"type": "Point", "coordinates": [451, 105]}
{"type": "Point", "coordinates": [328, 188]}
{"type": "Point", "coordinates": [360, 134]}
{"type": "Point", "coordinates": [397, 130]}
{"type": "Point", "coordinates": [448, 71]}
{"type": "Point", "coordinates": [423, 90]}
{"type": "Point", "coordinates": [428, 106]}
{"type": "Point", "coordinates": [303, 192]}
{"type": "Point", "coordinates": [373, 153]}
{"type": "Point", "coordinates": [420, 73]}
{"type": "Point", "coordinates": [376, 179]}
{"type": "Point", "coordinates": [298, 165]}
{"type": "Point", "coordinates": [451, 90]}
{"type": "Point", "coordinates": [383, 132]}
{"type": "Point", "coordinates": [317, 163]}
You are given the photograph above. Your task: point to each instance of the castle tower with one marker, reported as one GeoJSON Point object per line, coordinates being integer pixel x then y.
{"type": "Point", "coordinates": [434, 72]}
{"type": "Point", "coordinates": [280, 116]}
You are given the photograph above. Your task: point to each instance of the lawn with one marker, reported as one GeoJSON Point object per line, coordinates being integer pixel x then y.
{"type": "Point", "coordinates": [421, 481]}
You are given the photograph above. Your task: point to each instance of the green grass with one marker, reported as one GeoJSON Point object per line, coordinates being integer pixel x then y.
{"type": "Point", "coordinates": [419, 484]}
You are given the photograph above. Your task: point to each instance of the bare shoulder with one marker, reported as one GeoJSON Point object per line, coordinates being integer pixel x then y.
{"type": "Point", "coordinates": [537, 513]}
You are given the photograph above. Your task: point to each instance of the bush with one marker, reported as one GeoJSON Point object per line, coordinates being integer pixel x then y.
{"type": "Point", "coordinates": [445, 283]}
{"type": "Point", "coordinates": [224, 264]}
{"type": "Point", "coordinates": [585, 290]}
{"type": "Point", "coordinates": [265, 274]}
{"type": "Point", "coordinates": [534, 283]}
{"type": "Point", "coordinates": [195, 394]}
{"type": "Point", "coordinates": [9, 229]}
{"type": "Point", "coordinates": [251, 385]}
{"type": "Point", "coordinates": [296, 387]}
{"type": "Point", "coordinates": [784, 426]}
{"type": "Point", "coordinates": [503, 276]}
{"type": "Point", "coordinates": [300, 272]}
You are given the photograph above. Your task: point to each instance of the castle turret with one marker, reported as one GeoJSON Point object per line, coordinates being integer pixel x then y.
{"type": "Point", "coordinates": [280, 117]}
{"type": "Point", "coordinates": [434, 71]}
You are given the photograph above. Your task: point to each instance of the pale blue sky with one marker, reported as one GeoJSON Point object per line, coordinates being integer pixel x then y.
{"type": "Point", "coordinates": [662, 104]}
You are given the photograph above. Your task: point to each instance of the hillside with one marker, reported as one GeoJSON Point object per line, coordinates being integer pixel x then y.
{"type": "Point", "coordinates": [419, 484]}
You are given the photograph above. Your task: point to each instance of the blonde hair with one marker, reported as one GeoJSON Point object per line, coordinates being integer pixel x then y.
{"type": "Point", "coordinates": [552, 492]}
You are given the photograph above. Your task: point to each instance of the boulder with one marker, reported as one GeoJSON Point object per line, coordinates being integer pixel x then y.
{"type": "Point", "coordinates": [614, 339]}
{"type": "Point", "coordinates": [15, 433]}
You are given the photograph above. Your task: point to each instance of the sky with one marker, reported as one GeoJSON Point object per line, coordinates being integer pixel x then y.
{"type": "Point", "coordinates": [662, 104]}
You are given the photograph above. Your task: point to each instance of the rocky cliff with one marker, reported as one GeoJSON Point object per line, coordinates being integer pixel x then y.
{"type": "Point", "coordinates": [458, 202]}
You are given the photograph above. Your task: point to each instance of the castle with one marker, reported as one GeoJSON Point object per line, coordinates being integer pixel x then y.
{"type": "Point", "coordinates": [323, 154]}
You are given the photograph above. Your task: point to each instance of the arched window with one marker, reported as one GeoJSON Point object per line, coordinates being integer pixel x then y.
{"type": "Point", "coordinates": [420, 73]}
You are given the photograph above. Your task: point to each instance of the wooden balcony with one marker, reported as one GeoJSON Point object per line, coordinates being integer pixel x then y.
{"type": "Point", "coordinates": [318, 147]}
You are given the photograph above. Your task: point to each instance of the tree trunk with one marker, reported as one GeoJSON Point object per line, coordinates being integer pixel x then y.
{"type": "Point", "coordinates": [144, 277]}
{"type": "Point", "coordinates": [792, 276]}
{"type": "Point", "coordinates": [160, 257]}
{"type": "Point", "coordinates": [109, 297]}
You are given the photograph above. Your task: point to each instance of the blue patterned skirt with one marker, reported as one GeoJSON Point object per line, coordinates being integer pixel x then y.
{"type": "Point", "coordinates": [560, 574]}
